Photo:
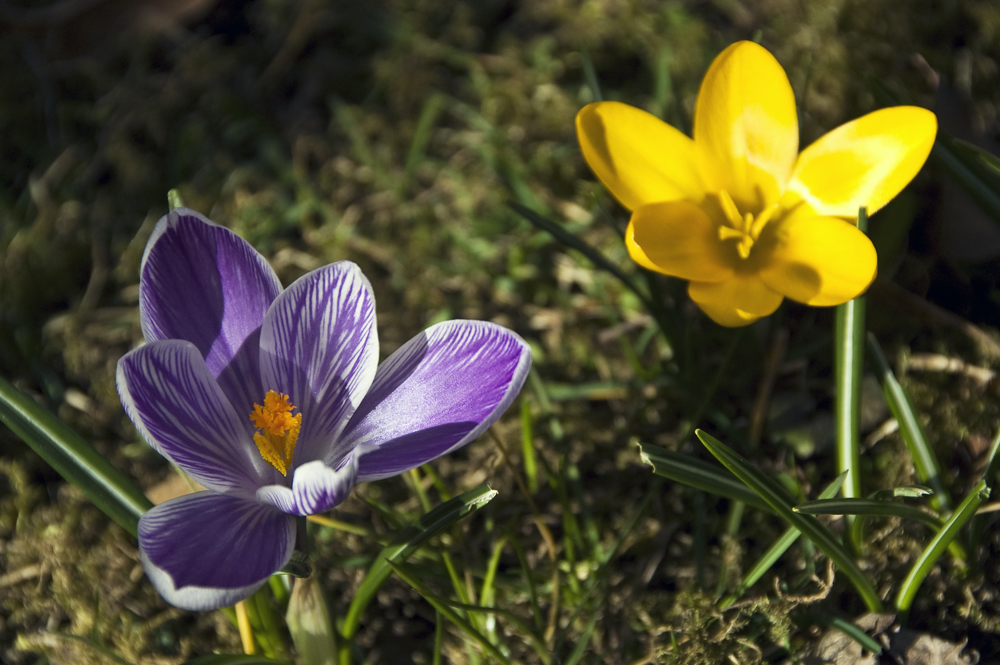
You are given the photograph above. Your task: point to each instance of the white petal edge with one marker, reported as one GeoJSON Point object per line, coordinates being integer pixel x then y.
{"type": "Point", "coordinates": [316, 488]}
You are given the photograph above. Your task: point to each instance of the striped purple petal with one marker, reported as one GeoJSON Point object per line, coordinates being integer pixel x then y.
{"type": "Point", "coordinates": [439, 391]}
{"type": "Point", "coordinates": [202, 283]}
{"type": "Point", "coordinates": [316, 488]}
{"type": "Point", "coordinates": [178, 407]}
{"type": "Point", "coordinates": [206, 550]}
{"type": "Point", "coordinates": [319, 346]}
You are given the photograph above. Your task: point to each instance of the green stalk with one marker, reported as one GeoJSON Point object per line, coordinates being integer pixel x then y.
{"type": "Point", "coordinates": [849, 360]}
{"type": "Point", "coordinates": [937, 546]}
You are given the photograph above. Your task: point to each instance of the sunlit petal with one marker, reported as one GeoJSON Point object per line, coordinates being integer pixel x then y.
{"type": "Point", "coordinates": [679, 239]}
{"type": "Point", "coordinates": [203, 283]}
{"type": "Point", "coordinates": [865, 162]}
{"type": "Point", "coordinates": [746, 129]}
{"type": "Point", "coordinates": [640, 158]}
{"type": "Point", "coordinates": [205, 550]}
{"type": "Point", "coordinates": [319, 346]}
{"type": "Point", "coordinates": [738, 301]}
{"type": "Point", "coordinates": [178, 407]}
{"type": "Point", "coordinates": [439, 391]}
{"type": "Point", "coordinates": [316, 488]}
{"type": "Point", "coordinates": [818, 261]}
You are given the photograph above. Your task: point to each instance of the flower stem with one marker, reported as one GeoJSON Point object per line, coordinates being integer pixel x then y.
{"type": "Point", "coordinates": [849, 362]}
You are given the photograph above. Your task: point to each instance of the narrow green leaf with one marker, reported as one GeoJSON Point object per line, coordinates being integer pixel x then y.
{"type": "Point", "coordinates": [848, 506]}
{"type": "Point", "coordinates": [528, 446]}
{"type": "Point", "coordinates": [905, 491]}
{"type": "Point", "coordinates": [560, 233]}
{"type": "Point", "coordinates": [73, 457]}
{"type": "Point", "coordinates": [969, 172]}
{"type": "Point", "coordinates": [858, 635]}
{"type": "Point", "coordinates": [583, 641]}
{"type": "Point", "coordinates": [778, 548]}
{"type": "Point", "coordinates": [971, 153]}
{"type": "Point", "coordinates": [937, 546]}
{"type": "Point", "coordinates": [849, 360]}
{"type": "Point", "coordinates": [422, 133]}
{"type": "Point", "coordinates": [902, 409]}
{"type": "Point", "coordinates": [403, 545]}
{"type": "Point", "coordinates": [448, 612]}
{"type": "Point", "coordinates": [528, 578]}
{"type": "Point", "coordinates": [701, 475]}
{"type": "Point", "coordinates": [590, 74]}
{"type": "Point", "coordinates": [781, 502]}
{"type": "Point", "coordinates": [989, 477]}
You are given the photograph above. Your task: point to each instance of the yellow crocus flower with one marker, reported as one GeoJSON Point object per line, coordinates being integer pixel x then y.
{"type": "Point", "coordinates": [737, 210]}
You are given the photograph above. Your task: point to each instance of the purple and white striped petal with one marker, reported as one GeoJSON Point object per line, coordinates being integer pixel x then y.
{"type": "Point", "coordinates": [438, 392]}
{"type": "Point", "coordinates": [206, 550]}
{"type": "Point", "coordinates": [203, 283]}
{"type": "Point", "coordinates": [319, 346]}
{"type": "Point", "coordinates": [178, 407]}
{"type": "Point", "coordinates": [316, 488]}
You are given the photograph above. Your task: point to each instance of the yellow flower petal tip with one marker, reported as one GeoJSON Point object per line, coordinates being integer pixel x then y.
{"type": "Point", "coordinates": [737, 210]}
{"type": "Point", "coordinates": [865, 162]}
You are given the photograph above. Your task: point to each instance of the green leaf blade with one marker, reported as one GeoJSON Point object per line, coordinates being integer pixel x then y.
{"type": "Point", "coordinates": [781, 503]}
{"type": "Point", "coordinates": [403, 545]}
{"type": "Point", "coordinates": [695, 473]}
{"type": "Point", "coordinates": [73, 458]}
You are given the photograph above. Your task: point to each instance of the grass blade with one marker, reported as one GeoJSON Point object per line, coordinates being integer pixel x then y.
{"type": "Point", "coordinates": [858, 635]}
{"type": "Point", "coordinates": [73, 457]}
{"type": "Point", "coordinates": [849, 360]}
{"type": "Point", "coordinates": [780, 501]}
{"type": "Point", "coordinates": [778, 548]}
{"type": "Point", "coordinates": [443, 607]}
{"type": "Point", "coordinates": [933, 551]}
{"type": "Point", "coordinates": [558, 232]}
{"type": "Point", "coordinates": [701, 475]}
{"type": "Point", "coordinates": [403, 545]}
{"type": "Point", "coordinates": [850, 506]}
{"type": "Point", "coordinates": [989, 477]}
{"type": "Point", "coordinates": [902, 409]}
{"type": "Point", "coordinates": [968, 171]}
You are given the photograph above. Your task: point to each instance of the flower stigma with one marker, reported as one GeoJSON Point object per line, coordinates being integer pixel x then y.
{"type": "Point", "coordinates": [745, 228]}
{"type": "Point", "coordinates": [277, 430]}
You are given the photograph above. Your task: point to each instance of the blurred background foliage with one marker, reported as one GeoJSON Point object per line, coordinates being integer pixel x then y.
{"type": "Point", "coordinates": [393, 133]}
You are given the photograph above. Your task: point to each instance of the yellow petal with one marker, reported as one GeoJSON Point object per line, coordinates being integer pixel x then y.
{"type": "Point", "coordinates": [636, 252]}
{"type": "Point", "coordinates": [819, 261]}
{"type": "Point", "coordinates": [640, 158]}
{"type": "Point", "coordinates": [738, 301]}
{"type": "Point", "coordinates": [745, 127]}
{"type": "Point", "coordinates": [679, 239]}
{"type": "Point", "coordinates": [865, 162]}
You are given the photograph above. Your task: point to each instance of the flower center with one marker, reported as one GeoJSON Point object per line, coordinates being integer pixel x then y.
{"type": "Point", "coordinates": [744, 228]}
{"type": "Point", "coordinates": [277, 430]}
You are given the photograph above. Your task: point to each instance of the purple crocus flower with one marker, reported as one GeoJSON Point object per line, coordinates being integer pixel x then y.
{"type": "Point", "coordinates": [274, 401]}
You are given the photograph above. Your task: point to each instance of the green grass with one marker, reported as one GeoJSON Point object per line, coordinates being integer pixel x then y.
{"type": "Point", "coordinates": [396, 135]}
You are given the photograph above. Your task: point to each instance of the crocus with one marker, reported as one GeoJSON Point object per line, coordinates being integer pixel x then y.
{"type": "Point", "coordinates": [737, 210]}
{"type": "Point", "coordinates": [275, 402]}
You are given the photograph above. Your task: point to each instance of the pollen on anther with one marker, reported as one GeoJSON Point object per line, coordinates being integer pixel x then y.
{"type": "Point", "coordinates": [277, 430]}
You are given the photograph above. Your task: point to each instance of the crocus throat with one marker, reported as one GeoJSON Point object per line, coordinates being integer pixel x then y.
{"type": "Point", "coordinates": [277, 430]}
{"type": "Point", "coordinates": [744, 228]}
